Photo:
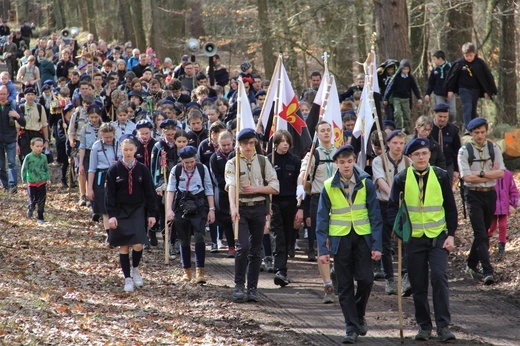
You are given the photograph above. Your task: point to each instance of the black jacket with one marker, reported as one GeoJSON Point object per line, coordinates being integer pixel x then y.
{"type": "Point", "coordinates": [480, 71]}
{"type": "Point", "coordinates": [7, 131]}
{"type": "Point", "coordinates": [402, 87]}
{"type": "Point", "coordinates": [437, 79]}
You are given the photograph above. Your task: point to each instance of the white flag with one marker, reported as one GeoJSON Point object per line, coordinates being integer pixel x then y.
{"type": "Point", "coordinates": [244, 113]}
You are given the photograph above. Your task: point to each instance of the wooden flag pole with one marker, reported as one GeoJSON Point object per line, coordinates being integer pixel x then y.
{"type": "Point", "coordinates": [166, 223]}
{"type": "Point", "coordinates": [237, 161]}
{"type": "Point", "coordinates": [399, 280]}
{"type": "Point", "coordinates": [269, 91]}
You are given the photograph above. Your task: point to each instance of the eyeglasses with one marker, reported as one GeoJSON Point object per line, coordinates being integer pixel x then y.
{"type": "Point", "coordinates": [421, 153]}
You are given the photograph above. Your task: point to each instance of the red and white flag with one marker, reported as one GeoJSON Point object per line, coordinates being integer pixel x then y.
{"type": "Point", "coordinates": [332, 113]}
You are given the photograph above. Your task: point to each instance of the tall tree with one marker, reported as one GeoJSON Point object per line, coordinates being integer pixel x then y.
{"type": "Point", "coordinates": [419, 38]}
{"type": "Point", "coordinates": [392, 24]}
{"type": "Point", "coordinates": [169, 22]}
{"type": "Point", "coordinates": [126, 23]}
{"type": "Point", "coordinates": [83, 10]}
{"type": "Point", "coordinates": [459, 27]}
{"type": "Point", "coordinates": [136, 12]}
{"type": "Point", "coordinates": [507, 87]}
{"type": "Point", "coordinates": [266, 37]}
{"type": "Point", "coordinates": [91, 18]}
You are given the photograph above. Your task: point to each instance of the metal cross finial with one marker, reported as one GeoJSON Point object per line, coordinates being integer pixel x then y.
{"type": "Point", "coordinates": [325, 57]}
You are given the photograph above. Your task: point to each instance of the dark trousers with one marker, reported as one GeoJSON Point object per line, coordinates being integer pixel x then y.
{"type": "Point", "coordinates": [282, 229]}
{"type": "Point", "coordinates": [37, 198]}
{"type": "Point", "coordinates": [469, 100]}
{"type": "Point", "coordinates": [353, 261]}
{"type": "Point", "coordinates": [426, 253]}
{"type": "Point", "coordinates": [248, 247]}
{"type": "Point", "coordinates": [386, 258]}
{"type": "Point", "coordinates": [225, 226]}
{"type": "Point", "coordinates": [311, 234]}
{"type": "Point", "coordinates": [186, 226]}
{"type": "Point", "coordinates": [481, 207]}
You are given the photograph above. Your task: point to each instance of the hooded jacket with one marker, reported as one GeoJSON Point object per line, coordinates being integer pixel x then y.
{"type": "Point", "coordinates": [482, 73]}
{"type": "Point", "coordinates": [400, 87]}
{"type": "Point", "coordinates": [507, 193]}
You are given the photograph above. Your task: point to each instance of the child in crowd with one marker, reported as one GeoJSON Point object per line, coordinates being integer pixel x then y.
{"type": "Point", "coordinates": [6, 80]}
{"type": "Point", "coordinates": [130, 204]}
{"type": "Point", "coordinates": [61, 143]}
{"type": "Point", "coordinates": [197, 131]}
{"type": "Point", "coordinates": [123, 125]}
{"type": "Point", "coordinates": [36, 176]}
{"type": "Point", "coordinates": [507, 202]}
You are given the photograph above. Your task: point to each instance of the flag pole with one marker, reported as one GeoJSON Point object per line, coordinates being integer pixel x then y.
{"type": "Point", "coordinates": [269, 91]}
{"type": "Point", "coordinates": [323, 108]}
{"type": "Point", "coordinates": [237, 158]}
{"type": "Point", "coordinates": [166, 224]}
{"type": "Point", "coordinates": [399, 280]}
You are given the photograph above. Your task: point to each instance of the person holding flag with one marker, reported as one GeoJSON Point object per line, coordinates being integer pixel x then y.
{"type": "Point", "coordinates": [428, 195]}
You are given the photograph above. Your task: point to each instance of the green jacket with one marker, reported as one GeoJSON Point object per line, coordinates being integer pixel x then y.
{"type": "Point", "coordinates": [35, 169]}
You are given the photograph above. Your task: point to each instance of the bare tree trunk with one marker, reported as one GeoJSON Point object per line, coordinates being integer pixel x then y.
{"type": "Point", "coordinates": [124, 13]}
{"type": "Point", "coordinates": [168, 22]}
{"type": "Point", "coordinates": [460, 27]}
{"type": "Point", "coordinates": [136, 12]}
{"type": "Point", "coordinates": [83, 10]}
{"type": "Point", "coordinates": [507, 86]}
{"type": "Point", "coordinates": [360, 28]}
{"type": "Point", "coordinates": [196, 19]}
{"type": "Point", "coordinates": [419, 38]}
{"type": "Point", "coordinates": [59, 14]}
{"type": "Point", "coordinates": [91, 18]}
{"type": "Point", "coordinates": [147, 22]}
{"type": "Point", "coordinates": [392, 19]}
{"type": "Point", "coordinates": [266, 38]}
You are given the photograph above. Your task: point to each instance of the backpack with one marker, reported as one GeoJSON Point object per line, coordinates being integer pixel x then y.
{"type": "Point", "coordinates": [178, 171]}
{"type": "Point", "coordinates": [38, 106]}
{"type": "Point", "coordinates": [471, 153]}
{"type": "Point", "coordinates": [317, 161]}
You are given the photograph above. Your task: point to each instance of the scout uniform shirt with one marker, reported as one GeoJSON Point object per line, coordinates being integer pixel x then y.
{"type": "Point", "coordinates": [34, 120]}
{"type": "Point", "coordinates": [251, 175]}
{"type": "Point", "coordinates": [324, 171]}
{"type": "Point", "coordinates": [478, 166]}
{"type": "Point", "coordinates": [378, 172]}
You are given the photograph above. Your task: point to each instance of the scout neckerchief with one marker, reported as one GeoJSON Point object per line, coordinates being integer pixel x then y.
{"type": "Point", "coordinates": [249, 162]}
{"type": "Point", "coordinates": [146, 153]}
{"type": "Point", "coordinates": [346, 188]}
{"type": "Point", "coordinates": [189, 175]}
{"type": "Point", "coordinates": [420, 182]}
{"type": "Point", "coordinates": [395, 163]}
{"type": "Point", "coordinates": [130, 168]}
{"type": "Point", "coordinates": [440, 138]}
{"type": "Point", "coordinates": [480, 150]}
{"type": "Point", "coordinates": [327, 153]}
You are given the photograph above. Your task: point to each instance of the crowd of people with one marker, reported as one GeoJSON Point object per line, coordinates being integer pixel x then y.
{"type": "Point", "coordinates": [150, 148]}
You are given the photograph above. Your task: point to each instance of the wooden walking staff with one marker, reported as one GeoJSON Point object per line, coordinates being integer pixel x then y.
{"type": "Point", "coordinates": [323, 108]}
{"type": "Point", "coordinates": [167, 224]}
{"type": "Point", "coordinates": [237, 160]}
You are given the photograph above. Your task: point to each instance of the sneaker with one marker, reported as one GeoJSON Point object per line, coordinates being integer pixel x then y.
{"type": "Point", "coordinates": [214, 248]}
{"type": "Point", "coordinates": [96, 217]}
{"type": "Point", "coordinates": [311, 256]}
{"type": "Point", "coordinates": [146, 247]}
{"type": "Point", "coordinates": [501, 250]}
{"type": "Point", "coordinates": [220, 244]}
{"type": "Point", "coordinates": [177, 247]}
{"type": "Point", "coordinates": [136, 277]}
{"type": "Point", "coordinates": [350, 338]}
{"type": "Point", "coordinates": [262, 266]}
{"type": "Point", "coordinates": [238, 294]}
{"type": "Point", "coordinates": [296, 246]}
{"type": "Point", "coordinates": [445, 334]}
{"type": "Point", "coordinates": [489, 279]}
{"type": "Point", "coordinates": [30, 213]}
{"type": "Point", "coordinates": [423, 335]}
{"type": "Point", "coordinates": [363, 328]}
{"type": "Point", "coordinates": [129, 285]}
{"type": "Point", "coordinates": [306, 234]}
{"type": "Point", "coordinates": [281, 279]}
{"type": "Point", "coordinates": [41, 220]}
{"type": "Point", "coordinates": [390, 287]}
{"type": "Point", "coordinates": [269, 266]}
{"type": "Point", "coordinates": [328, 298]}
{"type": "Point", "coordinates": [231, 252]}
{"type": "Point", "coordinates": [378, 272]}
{"type": "Point", "coordinates": [82, 200]}
{"type": "Point", "coordinates": [475, 274]}
{"type": "Point", "coordinates": [252, 295]}
{"type": "Point", "coordinates": [172, 252]}
{"type": "Point", "coordinates": [153, 238]}
{"type": "Point", "coordinates": [406, 288]}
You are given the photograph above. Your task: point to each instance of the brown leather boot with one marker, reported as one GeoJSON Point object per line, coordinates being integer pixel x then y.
{"type": "Point", "coordinates": [187, 275]}
{"type": "Point", "coordinates": [199, 276]}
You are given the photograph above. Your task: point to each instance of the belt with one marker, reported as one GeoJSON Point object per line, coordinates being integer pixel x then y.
{"type": "Point", "coordinates": [250, 204]}
{"type": "Point", "coordinates": [486, 189]}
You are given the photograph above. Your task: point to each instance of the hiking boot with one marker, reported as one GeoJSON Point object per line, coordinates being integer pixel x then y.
{"type": "Point", "coordinates": [406, 288]}
{"type": "Point", "coordinates": [311, 256]}
{"type": "Point", "coordinates": [186, 276]}
{"type": "Point", "coordinates": [489, 279]}
{"type": "Point", "coordinates": [363, 327]}
{"type": "Point", "coordinates": [445, 334]}
{"type": "Point", "coordinates": [30, 213]}
{"type": "Point", "coordinates": [291, 253]}
{"type": "Point", "coordinates": [281, 279]}
{"type": "Point", "coordinates": [231, 252]}
{"type": "Point", "coordinates": [501, 250]}
{"type": "Point", "coordinates": [423, 335]}
{"type": "Point", "coordinates": [136, 277]}
{"type": "Point", "coordinates": [214, 248]}
{"type": "Point", "coordinates": [199, 276]}
{"type": "Point", "coordinates": [252, 295]}
{"type": "Point", "coordinates": [328, 298]}
{"type": "Point", "coordinates": [390, 287]}
{"type": "Point", "coordinates": [350, 338]}
{"type": "Point", "coordinates": [129, 285]}
{"type": "Point", "coordinates": [82, 200]}
{"type": "Point", "coordinates": [269, 266]}
{"type": "Point", "coordinates": [238, 294]}
{"type": "Point", "coordinates": [153, 238]}
{"type": "Point", "coordinates": [474, 273]}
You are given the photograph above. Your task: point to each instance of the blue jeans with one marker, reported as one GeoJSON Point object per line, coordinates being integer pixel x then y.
{"type": "Point", "coordinates": [469, 100]}
{"type": "Point", "coordinates": [11, 180]}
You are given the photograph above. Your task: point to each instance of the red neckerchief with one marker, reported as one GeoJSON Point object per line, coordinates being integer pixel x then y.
{"type": "Point", "coordinates": [146, 154]}
{"type": "Point", "coordinates": [130, 169]}
{"type": "Point", "coordinates": [188, 176]}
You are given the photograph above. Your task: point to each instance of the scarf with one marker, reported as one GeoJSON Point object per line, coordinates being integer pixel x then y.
{"type": "Point", "coordinates": [146, 157]}
{"type": "Point", "coordinates": [395, 163]}
{"type": "Point", "coordinates": [130, 168]}
{"type": "Point", "coordinates": [327, 153]}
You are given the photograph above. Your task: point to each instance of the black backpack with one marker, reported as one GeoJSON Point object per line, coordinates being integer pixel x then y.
{"type": "Point", "coordinates": [178, 171]}
{"type": "Point", "coordinates": [471, 153]}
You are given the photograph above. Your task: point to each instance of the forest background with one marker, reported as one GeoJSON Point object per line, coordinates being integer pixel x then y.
{"type": "Point", "coordinates": [301, 30]}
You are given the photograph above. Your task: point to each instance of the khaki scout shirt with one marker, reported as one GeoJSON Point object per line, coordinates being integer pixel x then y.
{"type": "Point", "coordinates": [32, 117]}
{"type": "Point", "coordinates": [251, 177]}
{"type": "Point", "coordinates": [477, 166]}
{"type": "Point", "coordinates": [321, 171]}
{"type": "Point", "coordinates": [378, 172]}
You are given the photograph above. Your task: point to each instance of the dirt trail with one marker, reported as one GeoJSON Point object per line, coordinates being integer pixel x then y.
{"type": "Point", "coordinates": [480, 315]}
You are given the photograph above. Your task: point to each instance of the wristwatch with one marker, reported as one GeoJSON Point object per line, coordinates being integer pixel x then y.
{"type": "Point", "coordinates": [482, 174]}
{"type": "Point", "coordinates": [212, 208]}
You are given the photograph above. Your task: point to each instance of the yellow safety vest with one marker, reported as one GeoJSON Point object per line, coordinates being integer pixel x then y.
{"type": "Point", "coordinates": [344, 216]}
{"type": "Point", "coordinates": [429, 219]}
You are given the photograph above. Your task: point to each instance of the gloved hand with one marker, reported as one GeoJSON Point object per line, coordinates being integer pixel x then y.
{"type": "Point", "coordinates": [300, 192]}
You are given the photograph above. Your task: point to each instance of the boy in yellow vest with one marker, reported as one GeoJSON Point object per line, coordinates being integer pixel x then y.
{"type": "Point", "coordinates": [349, 217]}
{"type": "Point", "coordinates": [433, 215]}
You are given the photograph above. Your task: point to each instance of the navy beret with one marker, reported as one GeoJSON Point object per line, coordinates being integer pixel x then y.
{"type": "Point", "coordinates": [29, 91]}
{"type": "Point", "coordinates": [49, 82]}
{"type": "Point", "coordinates": [476, 123]}
{"type": "Point", "coordinates": [143, 124]}
{"type": "Point", "coordinates": [389, 123]}
{"type": "Point", "coordinates": [94, 108]}
{"type": "Point", "coordinates": [68, 107]}
{"type": "Point", "coordinates": [192, 104]}
{"type": "Point", "coordinates": [187, 152]}
{"type": "Point", "coordinates": [416, 144]}
{"type": "Point", "coordinates": [167, 102]}
{"type": "Point", "coordinates": [135, 93]}
{"type": "Point", "coordinates": [168, 124]}
{"type": "Point", "coordinates": [246, 133]}
{"type": "Point", "coordinates": [130, 137]}
{"type": "Point", "coordinates": [347, 147]}
{"type": "Point", "coordinates": [441, 107]}
{"type": "Point", "coordinates": [46, 87]}
{"type": "Point", "coordinates": [260, 93]}
{"type": "Point", "coordinates": [393, 134]}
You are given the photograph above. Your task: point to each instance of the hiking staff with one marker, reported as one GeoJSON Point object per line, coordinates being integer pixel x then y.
{"type": "Point", "coordinates": [167, 224]}
{"type": "Point", "coordinates": [237, 163]}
